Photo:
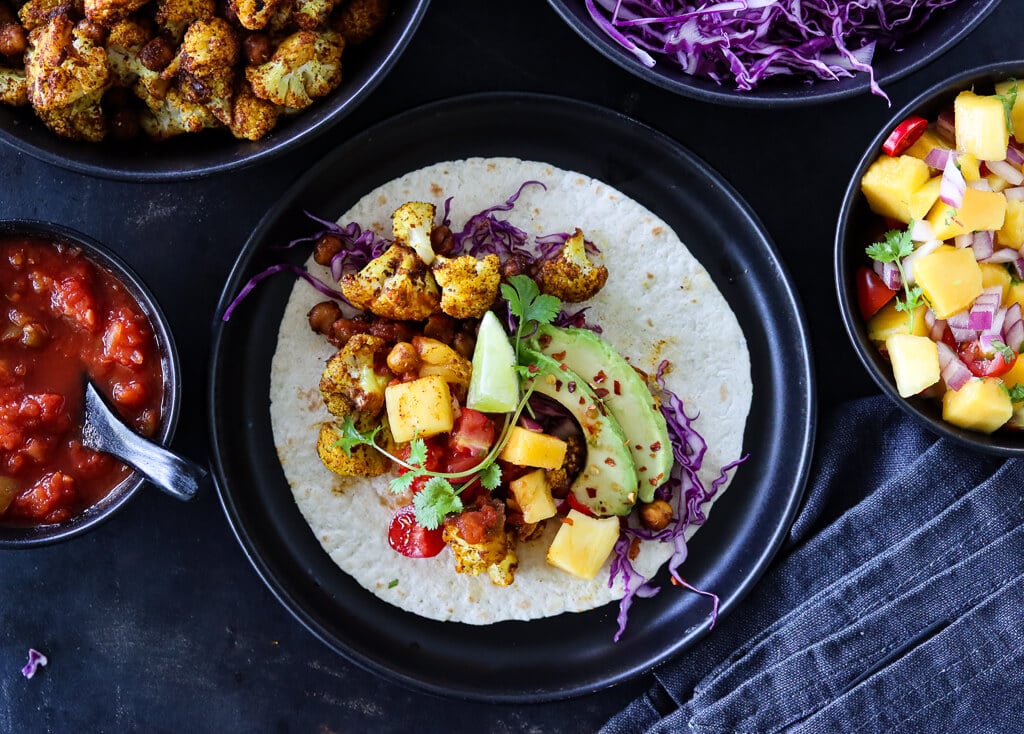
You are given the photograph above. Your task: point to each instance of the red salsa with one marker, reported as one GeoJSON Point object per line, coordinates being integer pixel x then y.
{"type": "Point", "coordinates": [63, 318]}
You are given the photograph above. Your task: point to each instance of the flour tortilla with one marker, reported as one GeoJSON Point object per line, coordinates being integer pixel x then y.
{"type": "Point", "coordinates": [658, 303]}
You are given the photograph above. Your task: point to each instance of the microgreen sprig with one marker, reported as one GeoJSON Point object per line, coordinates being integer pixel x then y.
{"type": "Point", "coordinates": [896, 246]}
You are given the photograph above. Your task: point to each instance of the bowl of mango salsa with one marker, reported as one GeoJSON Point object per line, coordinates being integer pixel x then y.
{"type": "Point", "coordinates": [929, 258]}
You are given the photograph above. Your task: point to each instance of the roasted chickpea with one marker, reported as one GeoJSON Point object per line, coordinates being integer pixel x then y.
{"type": "Point", "coordinates": [12, 40]}
{"type": "Point", "coordinates": [156, 54]}
{"type": "Point", "coordinates": [93, 31]}
{"type": "Point", "coordinates": [344, 329]}
{"type": "Point", "coordinates": [322, 317]}
{"type": "Point", "coordinates": [392, 332]}
{"type": "Point", "coordinates": [326, 247]}
{"type": "Point", "coordinates": [258, 51]}
{"type": "Point", "coordinates": [656, 515]}
{"type": "Point", "coordinates": [517, 264]}
{"type": "Point", "coordinates": [403, 358]}
{"type": "Point", "coordinates": [442, 241]}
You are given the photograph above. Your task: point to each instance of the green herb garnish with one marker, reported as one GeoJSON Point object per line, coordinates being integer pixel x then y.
{"type": "Point", "coordinates": [352, 436]}
{"type": "Point", "coordinates": [528, 305]}
{"type": "Point", "coordinates": [1009, 99]}
{"type": "Point", "coordinates": [1016, 393]}
{"type": "Point", "coordinates": [392, 583]}
{"type": "Point", "coordinates": [1003, 349]}
{"type": "Point", "coordinates": [896, 246]}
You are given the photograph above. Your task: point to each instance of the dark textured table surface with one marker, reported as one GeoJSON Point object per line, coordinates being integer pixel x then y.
{"type": "Point", "coordinates": [156, 622]}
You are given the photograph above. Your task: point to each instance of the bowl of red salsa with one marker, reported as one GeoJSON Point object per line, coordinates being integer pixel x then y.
{"type": "Point", "coordinates": [72, 311]}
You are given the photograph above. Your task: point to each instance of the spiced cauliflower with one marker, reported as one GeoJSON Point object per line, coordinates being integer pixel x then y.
{"type": "Point", "coordinates": [397, 285]}
{"type": "Point", "coordinates": [359, 461]}
{"type": "Point", "coordinates": [305, 66]}
{"type": "Point", "coordinates": [570, 275]}
{"type": "Point", "coordinates": [205, 64]}
{"type": "Point", "coordinates": [480, 542]}
{"type": "Point", "coordinates": [468, 285]}
{"type": "Point", "coordinates": [350, 382]}
{"type": "Point", "coordinates": [13, 87]}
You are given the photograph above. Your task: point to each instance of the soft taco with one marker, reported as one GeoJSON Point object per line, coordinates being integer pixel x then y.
{"type": "Point", "coordinates": [658, 308]}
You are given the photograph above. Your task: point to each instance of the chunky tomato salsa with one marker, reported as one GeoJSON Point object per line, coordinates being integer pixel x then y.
{"type": "Point", "coordinates": [63, 318]}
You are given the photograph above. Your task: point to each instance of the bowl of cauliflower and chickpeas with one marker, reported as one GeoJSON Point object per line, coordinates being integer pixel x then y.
{"type": "Point", "coordinates": [120, 88]}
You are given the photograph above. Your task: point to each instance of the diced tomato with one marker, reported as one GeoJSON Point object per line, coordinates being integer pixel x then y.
{"type": "Point", "coordinates": [460, 461]}
{"type": "Point", "coordinates": [435, 454]}
{"type": "Point", "coordinates": [473, 432]}
{"type": "Point", "coordinates": [872, 292]}
{"type": "Point", "coordinates": [411, 539]}
{"type": "Point", "coordinates": [904, 135]}
{"type": "Point", "coordinates": [982, 365]}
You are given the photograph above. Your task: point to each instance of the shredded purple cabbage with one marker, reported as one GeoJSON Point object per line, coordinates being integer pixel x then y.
{"type": "Point", "coordinates": [684, 491]}
{"type": "Point", "coordinates": [744, 42]}
{"type": "Point", "coordinates": [486, 234]}
{"type": "Point", "coordinates": [300, 272]}
{"type": "Point", "coordinates": [36, 660]}
{"type": "Point", "coordinates": [577, 319]}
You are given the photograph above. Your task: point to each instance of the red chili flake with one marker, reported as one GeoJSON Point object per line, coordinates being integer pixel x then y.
{"type": "Point", "coordinates": [639, 447]}
{"type": "Point", "coordinates": [591, 492]}
{"type": "Point", "coordinates": [675, 581]}
{"type": "Point", "coordinates": [583, 400]}
{"type": "Point", "coordinates": [656, 446]}
{"type": "Point", "coordinates": [601, 392]}
{"type": "Point", "coordinates": [545, 341]}
{"type": "Point", "coordinates": [558, 356]}
{"type": "Point", "coordinates": [533, 369]}
{"type": "Point", "coordinates": [558, 386]}
{"type": "Point", "coordinates": [571, 387]}
{"type": "Point", "coordinates": [617, 387]}
{"type": "Point", "coordinates": [600, 377]}
{"type": "Point", "coordinates": [609, 461]}
{"type": "Point", "coordinates": [568, 521]}
{"type": "Point", "coordinates": [563, 367]}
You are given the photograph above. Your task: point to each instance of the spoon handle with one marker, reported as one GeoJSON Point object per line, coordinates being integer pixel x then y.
{"type": "Point", "coordinates": [174, 474]}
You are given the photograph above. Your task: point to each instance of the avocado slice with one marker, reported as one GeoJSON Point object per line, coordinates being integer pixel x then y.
{"type": "Point", "coordinates": [608, 482]}
{"type": "Point", "coordinates": [624, 393]}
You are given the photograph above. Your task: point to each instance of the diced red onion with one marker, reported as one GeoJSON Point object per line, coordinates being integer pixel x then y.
{"type": "Point", "coordinates": [993, 332]}
{"type": "Point", "coordinates": [981, 184]}
{"type": "Point", "coordinates": [1006, 172]}
{"type": "Point", "coordinates": [959, 327]}
{"type": "Point", "coordinates": [1013, 328]}
{"type": "Point", "coordinates": [945, 126]}
{"type": "Point", "coordinates": [1015, 193]}
{"type": "Point", "coordinates": [980, 315]}
{"type": "Point", "coordinates": [36, 660]}
{"type": "Point", "coordinates": [1018, 265]}
{"type": "Point", "coordinates": [1002, 255]}
{"type": "Point", "coordinates": [1014, 156]}
{"type": "Point", "coordinates": [953, 185]}
{"type": "Point", "coordinates": [954, 372]}
{"type": "Point", "coordinates": [936, 327]}
{"type": "Point", "coordinates": [983, 245]}
{"type": "Point", "coordinates": [964, 240]}
{"type": "Point", "coordinates": [890, 275]}
{"type": "Point", "coordinates": [922, 231]}
{"type": "Point", "coordinates": [937, 158]}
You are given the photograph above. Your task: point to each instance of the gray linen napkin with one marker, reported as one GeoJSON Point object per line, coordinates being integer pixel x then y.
{"type": "Point", "coordinates": [897, 603]}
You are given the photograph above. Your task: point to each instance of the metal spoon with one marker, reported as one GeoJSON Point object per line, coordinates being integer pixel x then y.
{"type": "Point", "coordinates": [103, 430]}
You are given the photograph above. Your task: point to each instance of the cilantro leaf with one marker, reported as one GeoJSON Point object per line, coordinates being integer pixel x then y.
{"type": "Point", "coordinates": [417, 452]}
{"type": "Point", "coordinates": [392, 583]}
{"type": "Point", "coordinates": [1009, 99]}
{"type": "Point", "coordinates": [402, 483]}
{"type": "Point", "coordinates": [1004, 350]}
{"type": "Point", "coordinates": [528, 304]}
{"type": "Point", "coordinates": [490, 477]}
{"type": "Point", "coordinates": [351, 436]}
{"type": "Point", "coordinates": [1016, 393]}
{"type": "Point", "coordinates": [434, 501]}
{"type": "Point", "coordinates": [896, 246]}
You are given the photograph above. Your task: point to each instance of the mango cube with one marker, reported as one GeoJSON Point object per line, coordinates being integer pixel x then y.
{"type": "Point", "coordinates": [997, 183]}
{"type": "Point", "coordinates": [950, 279]}
{"type": "Point", "coordinates": [582, 544]}
{"type": "Point", "coordinates": [530, 448]}
{"type": "Point", "coordinates": [1012, 232]}
{"type": "Point", "coordinates": [970, 166]}
{"type": "Point", "coordinates": [980, 405]}
{"type": "Point", "coordinates": [979, 211]}
{"type": "Point", "coordinates": [915, 362]}
{"type": "Point", "coordinates": [980, 126]}
{"type": "Point", "coordinates": [889, 321]}
{"type": "Point", "coordinates": [1015, 375]}
{"type": "Point", "coordinates": [1014, 294]}
{"type": "Point", "coordinates": [922, 200]}
{"type": "Point", "coordinates": [533, 495]}
{"type": "Point", "coordinates": [420, 408]}
{"type": "Point", "coordinates": [889, 183]}
{"type": "Point", "coordinates": [993, 274]}
{"type": "Point", "coordinates": [1017, 113]}
{"type": "Point", "coordinates": [924, 144]}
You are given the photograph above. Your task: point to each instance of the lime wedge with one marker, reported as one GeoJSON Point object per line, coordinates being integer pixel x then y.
{"type": "Point", "coordinates": [494, 386]}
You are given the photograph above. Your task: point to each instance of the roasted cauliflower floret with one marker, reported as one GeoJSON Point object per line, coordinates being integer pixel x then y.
{"type": "Point", "coordinates": [124, 42]}
{"type": "Point", "coordinates": [397, 285]}
{"type": "Point", "coordinates": [358, 20]}
{"type": "Point", "coordinates": [13, 87]}
{"type": "Point", "coordinates": [37, 13]}
{"type": "Point", "coordinates": [570, 275]}
{"type": "Point", "coordinates": [81, 120]}
{"type": "Point", "coordinates": [173, 115]}
{"type": "Point", "coordinates": [204, 66]}
{"type": "Point", "coordinates": [351, 382]}
{"type": "Point", "coordinates": [362, 461]}
{"type": "Point", "coordinates": [108, 12]}
{"type": "Point", "coordinates": [63, 67]}
{"type": "Point", "coordinates": [305, 66]}
{"type": "Point", "coordinates": [254, 14]}
{"type": "Point", "coordinates": [468, 286]}
{"type": "Point", "coordinates": [251, 117]}
{"type": "Point", "coordinates": [412, 224]}
{"type": "Point", "coordinates": [480, 543]}
{"type": "Point", "coordinates": [175, 15]}
{"type": "Point", "coordinates": [311, 14]}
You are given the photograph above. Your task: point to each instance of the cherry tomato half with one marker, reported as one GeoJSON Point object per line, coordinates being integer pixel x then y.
{"type": "Point", "coordinates": [411, 539]}
{"type": "Point", "coordinates": [982, 365]}
{"type": "Point", "coordinates": [473, 432]}
{"type": "Point", "coordinates": [904, 135]}
{"type": "Point", "coordinates": [872, 292]}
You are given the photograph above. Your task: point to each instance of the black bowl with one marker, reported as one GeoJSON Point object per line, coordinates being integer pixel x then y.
{"type": "Point", "coordinates": [216, 151]}
{"type": "Point", "coordinates": [939, 35]}
{"type": "Point", "coordinates": [12, 536]}
{"type": "Point", "coordinates": [859, 226]}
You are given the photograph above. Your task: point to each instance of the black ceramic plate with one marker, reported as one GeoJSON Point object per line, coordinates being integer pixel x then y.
{"type": "Point", "coordinates": [947, 28]}
{"type": "Point", "coordinates": [570, 654]}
